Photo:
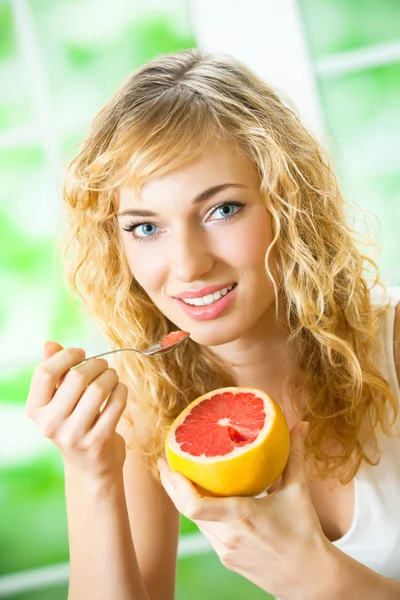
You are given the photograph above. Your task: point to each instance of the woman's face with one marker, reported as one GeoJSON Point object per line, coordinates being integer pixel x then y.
{"type": "Point", "coordinates": [197, 231]}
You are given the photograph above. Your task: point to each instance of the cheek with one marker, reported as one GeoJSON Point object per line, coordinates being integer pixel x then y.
{"type": "Point", "coordinates": [248, 244]}
{"type": "Point", "coordinates": [146, 266]}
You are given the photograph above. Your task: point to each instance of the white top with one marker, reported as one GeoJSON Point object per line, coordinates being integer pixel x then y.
{"type": "Point", "coordinates": [374, 536]}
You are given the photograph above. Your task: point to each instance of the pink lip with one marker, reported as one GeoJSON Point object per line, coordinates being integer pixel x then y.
{"type": "Point", "coordinates": [206, 313]}
{"type": "Point", "coordinates": [203, 292]}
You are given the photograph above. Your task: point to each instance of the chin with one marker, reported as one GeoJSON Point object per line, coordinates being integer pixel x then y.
{"type": "Point", "coordinates": [217, 337]}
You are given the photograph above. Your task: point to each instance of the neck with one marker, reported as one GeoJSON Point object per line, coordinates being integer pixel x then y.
{"type": "Point", "coordinates": [262, 358]}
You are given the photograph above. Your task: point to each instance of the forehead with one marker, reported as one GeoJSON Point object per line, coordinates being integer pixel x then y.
{"type": "Point", "coordinates": [219, 162]}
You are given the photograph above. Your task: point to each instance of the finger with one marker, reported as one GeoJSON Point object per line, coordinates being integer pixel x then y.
{"type": "Point", "coordinates": [166, 481]}
{"type": "Point", "coordinates": [89, 404]}
{"type": "Point", "coordinates": [113, 411]}
{"type": "Point", "coordinates": [51, 348]}
{"type": "Point", "coordinates": [74, 386]}
{"type": "Point", "coordinates": [49, 372]}
{"type": "Point", "coordinates": [193, 505]}
{"type": "Point", "coordinates": [211, 536]}
{"type": "Point", "coordinates": [214, 529]}
{"type": "Point", "coordinates": [226, 550]}
{"type": "Point", "coordinates": [295, 468]}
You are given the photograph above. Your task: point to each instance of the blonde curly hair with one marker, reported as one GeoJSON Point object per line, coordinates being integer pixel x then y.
{"type": "Point", "coordinates": [163, 114]}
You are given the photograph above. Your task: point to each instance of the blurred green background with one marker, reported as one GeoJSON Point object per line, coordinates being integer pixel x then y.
{"type": "Point", "coordinates": [59, 63]}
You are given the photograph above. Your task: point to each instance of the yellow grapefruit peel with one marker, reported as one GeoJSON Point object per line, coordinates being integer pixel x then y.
{"type": "Point", "coordinates": [244, 472]}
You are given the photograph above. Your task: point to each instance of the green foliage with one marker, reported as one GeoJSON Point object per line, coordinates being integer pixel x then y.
{"type": "Point", "coordinates": [363, 121]}
{"type": "Point", "coordinates": [53, 593]}
{"type": "Point", "coordinates": [35, 530]}
{"type": "Point", "coordinates": [7, 35]}
{"type": "Point", "coordinates": [343, 25]}
{"type": "Point", "coordinates": [204, 576]}
{"type": "Point", "coordinates": [187, 526]}
{"type": "Point", "coordinates": [14, 387]}
{"type": "Point", "coordinates": [81, 56]}
{"type": "Point", "coordinates": [12, 159]}
{"type": "Point", "coordinates": [19, 253]}
{"type": "Point", "coordinates": [67, 320]}
{"type": "Point", "coordinates": [153, 36]}
{"type": "Point", "coordinates": [354, 99]}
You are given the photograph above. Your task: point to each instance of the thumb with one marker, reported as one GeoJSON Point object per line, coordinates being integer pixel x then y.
{"type": "Point", "coordinates": [294, 470]}
{"type": "Point", "coordinates": [51, 348]}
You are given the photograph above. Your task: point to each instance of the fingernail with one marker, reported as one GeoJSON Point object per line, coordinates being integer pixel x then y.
{"type": "Point", "coordinates": [80, 350]}
{"type": "Point", "coordinates": [304, 428]}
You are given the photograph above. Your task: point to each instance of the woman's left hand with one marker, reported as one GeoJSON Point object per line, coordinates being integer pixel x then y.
{"type": "Point", "coordinates": [275, 541]}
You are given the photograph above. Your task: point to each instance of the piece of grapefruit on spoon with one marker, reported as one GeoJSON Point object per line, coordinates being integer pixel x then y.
{"type": "Point", "coordinates": [233, 441]}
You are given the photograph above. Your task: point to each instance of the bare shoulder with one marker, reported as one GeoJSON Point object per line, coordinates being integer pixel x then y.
{"type": "Point", "coordinates": [396, 341]}
{"type": "Point", "coordinates": [154, 520]}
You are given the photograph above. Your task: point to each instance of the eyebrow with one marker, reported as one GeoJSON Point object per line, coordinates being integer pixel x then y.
{"type": "Point", "coordinates": [209, 193]}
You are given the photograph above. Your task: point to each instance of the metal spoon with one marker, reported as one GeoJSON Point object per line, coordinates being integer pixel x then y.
{"type": "Point", "coordinates": [160, 348]}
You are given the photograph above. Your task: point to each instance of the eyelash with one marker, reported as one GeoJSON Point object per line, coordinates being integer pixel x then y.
{"type": "Point", "coordinates": [132, 226]}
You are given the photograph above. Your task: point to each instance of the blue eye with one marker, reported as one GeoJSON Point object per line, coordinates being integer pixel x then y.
{"type": "Point", "coordinates": [227, 210]}
{"type": "Point", "coordinates": [145, 230]}
{"type": "Point", "coordinates": [141, 231]}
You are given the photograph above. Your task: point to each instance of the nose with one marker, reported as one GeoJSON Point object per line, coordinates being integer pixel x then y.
{"type": "Point", "coordinates": [191, 256]}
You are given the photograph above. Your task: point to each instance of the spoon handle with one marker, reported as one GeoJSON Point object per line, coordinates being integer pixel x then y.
{"type": "Point", "coordinates": [112, 352]}
{"type": "Point", "coordinates": [162, 347]}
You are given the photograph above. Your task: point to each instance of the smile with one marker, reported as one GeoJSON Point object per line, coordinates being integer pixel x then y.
{"type": "Point", "coordinates": [210, 298]}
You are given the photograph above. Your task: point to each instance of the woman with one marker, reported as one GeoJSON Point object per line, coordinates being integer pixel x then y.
{"type": "Point", "coordinates": [195, 178]}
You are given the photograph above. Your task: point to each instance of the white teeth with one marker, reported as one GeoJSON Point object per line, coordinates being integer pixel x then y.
{"type": "Point", "coordinates": [196, 301]}
{"type": "Point", "coordinates": [209, 299]}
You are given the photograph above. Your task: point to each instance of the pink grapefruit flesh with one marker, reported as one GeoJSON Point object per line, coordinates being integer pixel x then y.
{"type": "Point", "coordinates": [230, 442]}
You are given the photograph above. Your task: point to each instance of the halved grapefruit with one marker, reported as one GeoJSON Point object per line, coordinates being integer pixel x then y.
{"type": "Point", "coordinates": [233, 441]}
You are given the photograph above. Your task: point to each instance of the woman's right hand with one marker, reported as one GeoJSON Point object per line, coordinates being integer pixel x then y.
{"type": "Point", "coordinates": [66, 405]}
